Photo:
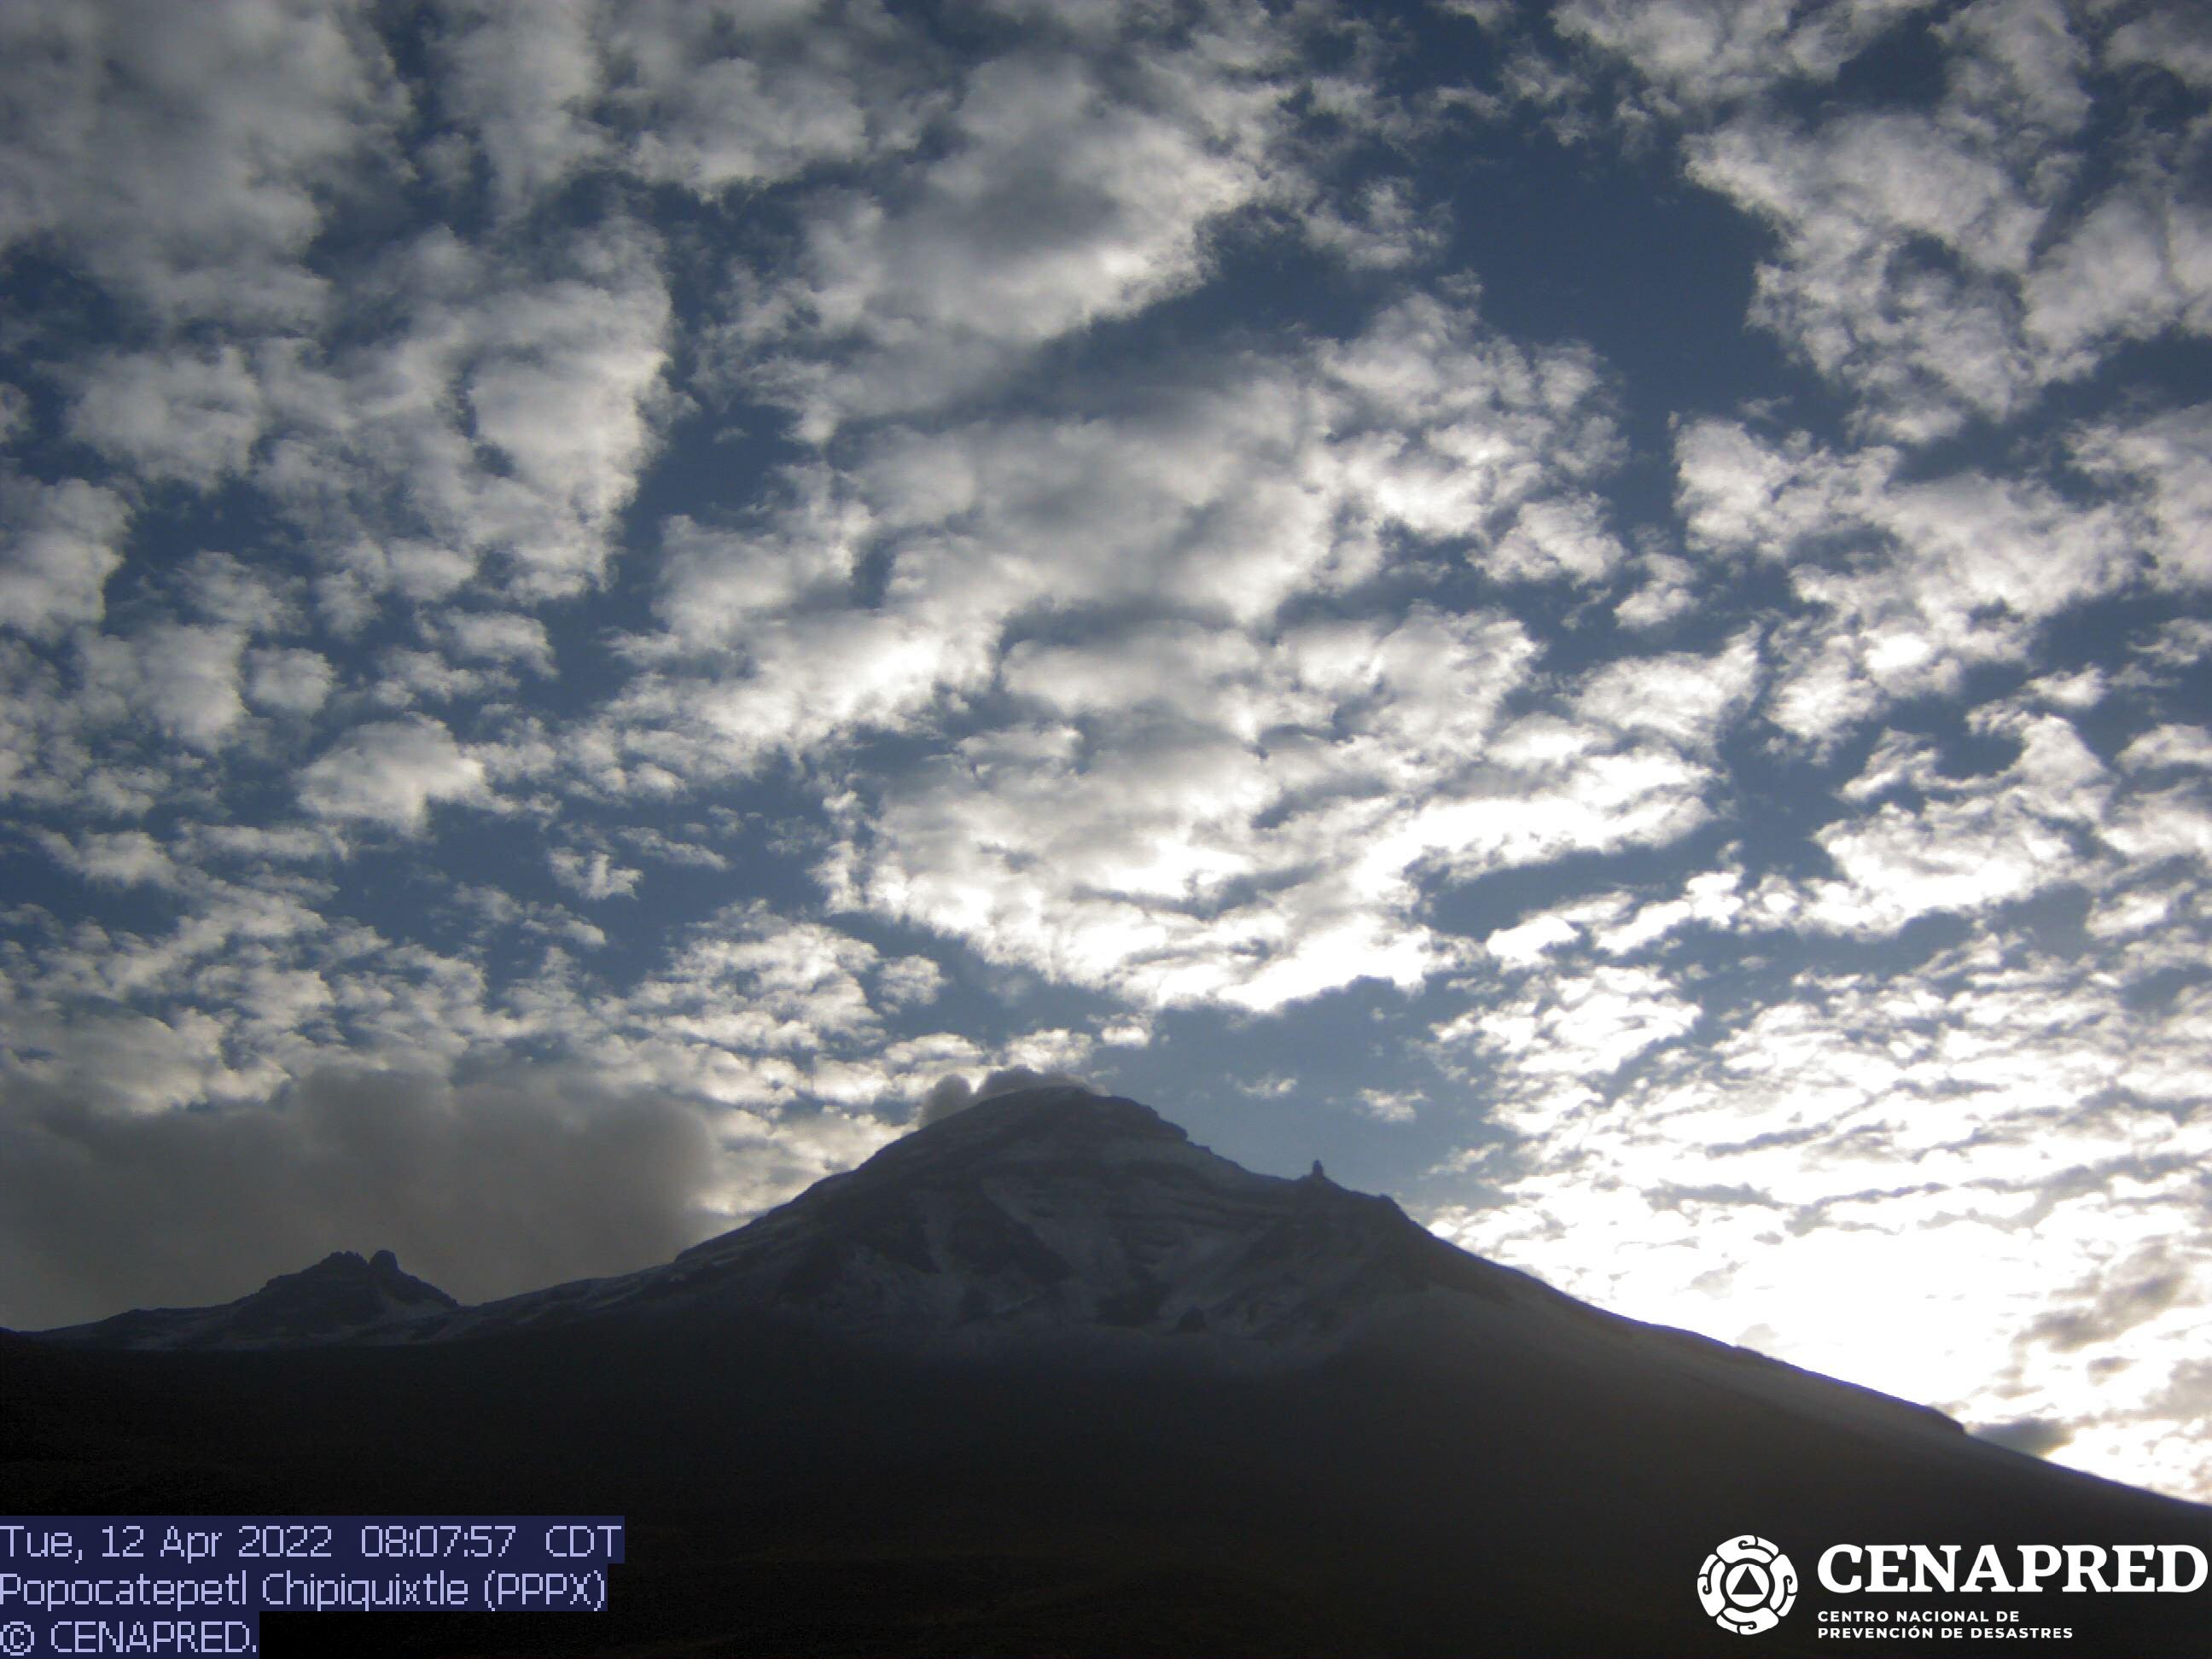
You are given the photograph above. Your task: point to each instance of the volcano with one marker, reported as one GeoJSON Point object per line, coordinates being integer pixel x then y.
{"type": "Point", "coordinates": [1045, 1376]}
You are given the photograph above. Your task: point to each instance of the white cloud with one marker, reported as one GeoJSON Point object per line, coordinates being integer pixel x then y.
{"type": "Point", "coordinates": [524, 85]}
{"type": "Point", "coordinates": [1665, 594]}
{"type": "Point", "coordinates": [1973, 843]}
{"type": "Point", "coordinates": [501, 637]}
{"type": "Point", "coordinates": [225, 589]}
{"type": "Point", "coordinates": [2139, 262]}
{"type": "Point", "coordinates": [1554, 537]}
{"type": "Point", "coordinates": [1398, 1106]}
{"type": "Point", "coordinates": [125, 858]}
{"type": "Point", "coordinates": [180, 678]}
{"type": "Point", "coordinates": [800, 90]}
{"type": "Point", "coordinates": [1704, 51]}
{"type": "Point", "coordinates": [1918, 340]}
{"type": "Point", "coordinates": [1903, 584]}
{"type": "Point", "coordinates": [289, 681]}
{"type": "Point", "coordinates": [1526, 942]}
{"type": "Point", "coordinates": [183, 154]}
{"type": "Point", "coordinates": [2170, 457]}
{"type": "Point", "coordinates": [1233, 488]}
{"type": "Point", "coordinates": [1580, 1026]}
{"type": "Point", "coordinates": [2173, 38]}
{"type": "Point", "coordinates": [595, 876]}
{"type": "Point", "coordinates": [1621, 922]}
{"type": "Point", "coordinates": [1227, 820]}
{"type": "Point", "coordinates": [1898, 864]}
{"type": "Point", "coordinates": [185, 415]}
{"type": "Point", "coordinates": [1939, 263]}
{"type": "Point", "coordinates": [390, 773]}
{"type": "Point", "coordinates": [1688, 700]}
{"type": "Point", "coordinates": [2170, 746]}
{"type": "Point", "coordinates": [556, 377]}
{"type": "Point", "coordinates": [58, 549]}
{"type": "Point", "coordinates": [1060, 198]}
{"type": "Point", "coordinates": [1386, 229]}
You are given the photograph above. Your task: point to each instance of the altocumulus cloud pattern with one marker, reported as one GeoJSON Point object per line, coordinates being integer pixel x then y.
{"type": "Point", "coordinates": [1598, 613]}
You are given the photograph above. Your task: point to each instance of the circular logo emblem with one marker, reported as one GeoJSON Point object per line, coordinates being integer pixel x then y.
{"type": "Point", "coordinates": [1747, 1585]}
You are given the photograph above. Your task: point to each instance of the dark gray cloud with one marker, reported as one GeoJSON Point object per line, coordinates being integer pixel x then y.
{"type": "Point", "coordinates": [2034, 1436]}
{"type": "Point", "coordinates": [2112, 1308]}
{"type": "Point", "coordinates": [484, 1189]}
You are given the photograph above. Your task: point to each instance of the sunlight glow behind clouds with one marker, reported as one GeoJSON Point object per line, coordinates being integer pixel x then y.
{"type": "Point", "coordinates": [641, 582]}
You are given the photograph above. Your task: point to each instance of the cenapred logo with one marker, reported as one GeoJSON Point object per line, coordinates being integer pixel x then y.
{"type": "Point", "coordinates": [1747, 1585]}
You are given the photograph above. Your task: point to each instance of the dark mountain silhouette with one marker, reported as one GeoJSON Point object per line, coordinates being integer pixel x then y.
{"type": "Point", "coordinates": [1045, 1377]}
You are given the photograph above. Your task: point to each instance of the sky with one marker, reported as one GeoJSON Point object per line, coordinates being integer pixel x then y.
{"type": "Point", "coordinates": [1600, 615]}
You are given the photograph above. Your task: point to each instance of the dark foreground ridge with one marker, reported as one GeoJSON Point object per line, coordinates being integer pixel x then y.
{"type": "Point", "coordinates": [1045, 1377]}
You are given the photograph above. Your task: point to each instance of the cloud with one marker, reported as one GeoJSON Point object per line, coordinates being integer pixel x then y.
{"type": "Point", "coordinates": [1686, 699]}
{"type": "Point", "coordinates": [1222, 494]}
{"type": "Point", "coordinates": [1939, 263]}
{"type": "Point", "coordinates": [289, 681]}
{"type": "Point", "coordinates": [1901, 585]}
{"type": "Point", "coordinates": [1556, 538]}
{"type": "Point", "coordinates": [748, 979]}
{"type": "Point", "coordinates": [710, 101]}
{"type": "Point", "coordinates": [503, 422]}
{"type": "Point", "coordinates": [2189, 746]}
{"type": "Point", "coordinates": [2171, 39]}
{"type": "Point", "coordinates": [2030, 1436]}
{"type": "Point", "coordinates": [733, 102]}
{"type": "Point", "coordinates": [189, 415]}
{"type": "Point", "coordinates": [61, 545]}
{"type": "Point", "coordinates": [953, 1093]}
{"type": "Point", "coordinates": [502, 1185]}
{"type": "Point", "coordinates": [185, 157]}
{"type": "Point", "coordinates": [2147, 1285]}
{"type": "Point", "coordinates": [1059, 198]}
{"type": "Point", "coordinates": [2139, 263]}
{"type": "Point", "coordinates": [1390, 1106]}
{"type": "Point", "coordinates": [594, 877]}
{"type": "Point", "coordinates": [1273, 844]}
{"type": "Point", "coordinates": [1919, 341]}
{"type": "Point", "coordinates": [390, 773]}
{"type": "Point", "coordinates": [180, 678]}
{"type": "Point", "coordinates": [125, 858]}
{"type": "Point", "coordinates": [950, 1095]}
{"type": "Point", "coordinates": [1590, 1024]}
{"type": "Point", "coordinates": [525, 92]}
{"type": "Point", "coordinates": [1711, 51]}
{"type": "Point", "coordinates": [2169, 456]}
